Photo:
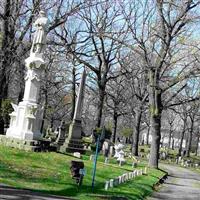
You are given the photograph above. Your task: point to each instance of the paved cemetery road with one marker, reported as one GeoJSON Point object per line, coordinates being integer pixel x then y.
{"type": "Point", "coordinates": [181, 184]}
{"type": "Point", "coordinates": [9, 193]}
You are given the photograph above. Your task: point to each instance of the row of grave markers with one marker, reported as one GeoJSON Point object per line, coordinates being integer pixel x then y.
{"type": "Point", "coordinates": [124, 178]}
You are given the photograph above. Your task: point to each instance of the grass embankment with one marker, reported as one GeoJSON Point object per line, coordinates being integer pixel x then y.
{"type": "Point", "coordinates": [50, 173]}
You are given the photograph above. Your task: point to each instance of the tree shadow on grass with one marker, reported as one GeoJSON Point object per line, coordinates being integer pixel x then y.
{"type": "Point", "coordinates": [71, 190]}
{"type": "Point", "coordinates": [25, 194]}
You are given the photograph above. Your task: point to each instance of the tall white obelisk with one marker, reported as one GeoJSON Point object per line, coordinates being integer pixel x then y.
{"type": "Point", "coordinates": [26, 119]}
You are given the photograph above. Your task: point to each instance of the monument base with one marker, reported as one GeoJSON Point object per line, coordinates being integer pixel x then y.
{"type": "Point", "coordinates": [74, 141]}
{"type": "Point", "coordinates": [72, 145]}
{"type": "Point", "coordinates": [27, 145]}
{"type": "Point", "coordinates": [26, 120]}
{"type": "Point", "coordinates": [75, 130]}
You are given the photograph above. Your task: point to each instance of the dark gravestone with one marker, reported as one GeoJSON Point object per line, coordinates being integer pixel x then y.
{"type": "Point", "coordinates": [76, 168]}
{"type": "Point", "coordinates": [61, 134]}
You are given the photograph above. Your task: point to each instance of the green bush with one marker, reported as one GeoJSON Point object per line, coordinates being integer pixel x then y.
{"type": "Point", "coordinates": [126, 132]}
{"type": "Point", "coordinates": [6, 109]}
{"type": "Point", "coordinates": [97, 132]}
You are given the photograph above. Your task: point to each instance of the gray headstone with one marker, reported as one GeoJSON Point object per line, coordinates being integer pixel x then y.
{"type": "Point", "coordinates": [116, 181]}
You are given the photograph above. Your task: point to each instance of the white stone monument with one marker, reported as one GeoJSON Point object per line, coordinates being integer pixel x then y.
{"type": "Point", "coordinates": [121, 158]}
{"type": "Point", "coordinates": [26, 119]}
{"type": "Point", "coordinates": [118, 148]}
{"type": "Point", "coordinates": [74, 140]}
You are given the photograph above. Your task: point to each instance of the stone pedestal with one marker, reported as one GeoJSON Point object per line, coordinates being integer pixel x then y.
{"type": "Point", "coordinates": [25, 122]}
{"type": "Point", "coordinates": [73, 143]}
{"type": "Point", "coordinates": [26, 119]}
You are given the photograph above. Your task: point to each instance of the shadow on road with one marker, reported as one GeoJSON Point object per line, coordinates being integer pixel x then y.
{"type": "Point", "coordinates": [9, 193]}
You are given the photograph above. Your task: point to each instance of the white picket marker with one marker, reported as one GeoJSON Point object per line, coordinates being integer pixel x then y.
{"type": "Point", "coordinates": [129, 175]}
{"type": "Point", "coordinates": [111, 183]}
{"type": "Point", "coordinates": [107, 184]}
{"type": "Point", "coordinates": [133, 176]}
{"type": "Point", "coordinates": [120, 179]}
{"type": "Point", "coordinates": [135, 173]}
{"type": "Point", "coordinates": [145, 170]}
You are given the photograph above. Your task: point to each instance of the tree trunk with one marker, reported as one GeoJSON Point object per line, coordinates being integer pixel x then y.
{"type": "Point", "coordinates": [182, 137]}
{"type": "Point", "coordinates": [3, 96]}
{"type": "Point", "coordinates": [45, 109]}
{"type": "Point", "coordinates": [100, 106]}
{"type": "Point", "coordinates": [136, 132]}
{"type": "Point", "coordinates": [172, 143]}
{"type": "Point", "coordinates": [170, 138]}
{"type": "Point", "coordinates": [8, 35]}
{"type": "Point", "coordinates": [115, 119]}
{"type": "Point", "coordinates": [155, 109]}
{"type": "Point", "coordinates": [148, 130]}
{"type": "Point", "coordinates": [197, 146]}
{"type": "Point", "coordinates": [1, 121]}
{"type": "Point", "coordinates": [155, 144]}
{"type": "Point", "coordinates": [22, 82]}
{"type": "Point", "coordinates": [21, 95]}
{"type": "Point", "coordinates": [189, 143]}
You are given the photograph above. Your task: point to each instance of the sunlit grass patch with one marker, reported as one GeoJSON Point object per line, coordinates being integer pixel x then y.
{"type": "Point", "coordinates": [50, 173]}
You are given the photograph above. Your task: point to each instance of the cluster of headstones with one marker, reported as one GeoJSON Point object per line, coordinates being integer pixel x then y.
{"type": "Point", "coordinates": [58, 135]}
{"type": "Point", "coordinates": [124, 178]}
{"type": "Point", "coordinates": [186, 163]}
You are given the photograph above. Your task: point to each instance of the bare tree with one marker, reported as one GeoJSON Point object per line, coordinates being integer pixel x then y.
{"type": "Point", "coordinates": [116, 101]}
{"type": "Point", "coordinates": [137, 97]}
{"type": "Point", "coordinates": [168, 124]}
{"type": "Point", "coordinates": [157, 28]}
{"type": "Point", "coordinates": [183, 114]}
{"type": "Point", "coordinates": [93, 50]}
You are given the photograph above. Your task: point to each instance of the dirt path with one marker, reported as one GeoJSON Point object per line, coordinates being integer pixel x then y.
{"type": "Point", "coordinates": [9, 193]}
{"type": "Point", "coordinates": [181, 184]}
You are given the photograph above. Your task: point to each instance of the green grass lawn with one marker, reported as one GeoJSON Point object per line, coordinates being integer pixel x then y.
{"type": "Point", "coordinates": [50, 173]}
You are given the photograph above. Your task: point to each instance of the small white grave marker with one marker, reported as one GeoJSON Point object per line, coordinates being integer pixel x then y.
{"type": "Point", "coordinates": [120, 179]}
{"type": "Point", "coordinates": [145, 170]}
{"type": "Point", "coordinates": [106, 160]}
{"type": "Point", "coordinates": [77, 155]}
{"type": "Point", "coordinates": [127, 177]}
{"type": "Point", "coordinates": [111, 183]}
{"type": "Point", "coordinates": [107, 185]}
{"type": "Point", "coordinates": [91, 157]}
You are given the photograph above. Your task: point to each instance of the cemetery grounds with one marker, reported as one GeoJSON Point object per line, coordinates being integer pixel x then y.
{"type": "Point", "coordinates": [49, 172]}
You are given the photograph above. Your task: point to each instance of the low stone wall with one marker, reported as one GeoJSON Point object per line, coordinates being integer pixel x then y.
{"type": "Point", "coordinates": [124, 178]}
{"type": "Point", "coordinates": [27, 145]}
